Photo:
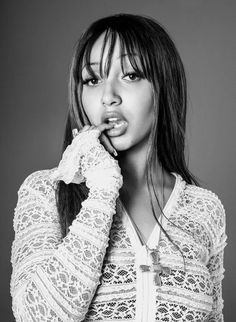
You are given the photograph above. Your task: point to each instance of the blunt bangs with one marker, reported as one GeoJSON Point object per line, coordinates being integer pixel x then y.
{"type": "Point", "coordinates": [131, 46]}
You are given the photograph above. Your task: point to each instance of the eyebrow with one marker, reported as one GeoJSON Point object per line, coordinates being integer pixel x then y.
{"type": "Point", "coordinates": [91, 64]}
{"type": "Point", "coordinates": [98, 63]}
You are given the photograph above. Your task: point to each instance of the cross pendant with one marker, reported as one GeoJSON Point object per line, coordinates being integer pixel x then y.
{"type": "Point", "coordinates": [155, 268]}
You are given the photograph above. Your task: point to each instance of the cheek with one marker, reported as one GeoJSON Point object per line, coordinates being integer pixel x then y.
{"type": "Point", "coordinates": [91, 108]}
{"type": "Point", "coordinates": [144, 114]}
{"type": "Point", "coordinates": [86, 102]}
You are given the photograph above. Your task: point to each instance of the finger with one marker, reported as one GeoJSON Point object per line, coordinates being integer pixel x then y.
{"type": "Point", "coordinates": [75, 132]}
{"type": "Point", "coordinates": [105, 126]}
{"type": "Point", "coordinates": [102, 137]}
{"type": "Point", "coordinates": [85, 128]}
{"type": "Point", "coordinates": [107, 144]}
{"type": "Point", "coordinates": [100, 128]}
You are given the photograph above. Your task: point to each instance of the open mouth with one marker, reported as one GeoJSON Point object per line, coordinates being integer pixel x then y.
{"type": "Point", "coordinates": [116, 121]}
{"type": "Point", "coordinates": [120, 126]}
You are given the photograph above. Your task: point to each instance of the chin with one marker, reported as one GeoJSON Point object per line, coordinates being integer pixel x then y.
{"type": "Point", "coordinates": [121, 143]}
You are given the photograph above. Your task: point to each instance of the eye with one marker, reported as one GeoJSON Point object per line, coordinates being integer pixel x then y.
{"type": "Point", "coordinates": [91, 81]}
{"type": "Point", "coordinates": [132, 76]}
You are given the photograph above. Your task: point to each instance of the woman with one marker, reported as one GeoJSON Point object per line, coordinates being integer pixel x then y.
{"type": "Point", "coordinates": [120, 230]}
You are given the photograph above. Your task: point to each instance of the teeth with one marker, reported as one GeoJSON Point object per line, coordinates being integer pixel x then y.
{"type": "Point", "coordinates": [113, 119]}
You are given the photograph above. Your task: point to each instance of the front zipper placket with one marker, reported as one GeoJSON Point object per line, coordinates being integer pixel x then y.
{"type": "Point", "coordinates": [146, 289]}
{"type": "Point", "coordinates": [148, 292]}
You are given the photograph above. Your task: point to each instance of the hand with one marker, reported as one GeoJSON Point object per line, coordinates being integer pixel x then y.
{"type": "Point", "coordinates": [103, 138]}
{"type": "Point", "coordinates": [97, 166]}
{"type": "Point", "coordinates": [86, 159]}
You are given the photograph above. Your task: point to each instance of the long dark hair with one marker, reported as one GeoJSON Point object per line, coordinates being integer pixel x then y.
{"type": "Point", "coordinates": [160, 63]}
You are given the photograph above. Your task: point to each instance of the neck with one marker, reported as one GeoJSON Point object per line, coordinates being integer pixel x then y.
{"type": "Point", "coordinates": [135, 187]}
{"type": "Point", "coordinates": [133, 164]}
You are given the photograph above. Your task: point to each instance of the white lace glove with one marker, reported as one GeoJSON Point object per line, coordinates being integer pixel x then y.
{"type": "Point", "coordinates": [86, 159]}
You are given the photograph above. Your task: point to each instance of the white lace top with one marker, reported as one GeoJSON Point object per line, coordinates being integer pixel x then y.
{"type": "Point", "coordinates": [94, 274]}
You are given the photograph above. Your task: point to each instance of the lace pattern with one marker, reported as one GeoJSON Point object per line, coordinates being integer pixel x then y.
{"type": "Point", "coordinates": [55, 278]}
{"type": "Point", "coordinates": [90, 275]}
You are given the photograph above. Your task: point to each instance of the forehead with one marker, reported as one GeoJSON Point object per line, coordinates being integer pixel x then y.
{"type": "Point", "coordinates": [100, 48]}
{"type": "Point", "coordinates": [108, 49]}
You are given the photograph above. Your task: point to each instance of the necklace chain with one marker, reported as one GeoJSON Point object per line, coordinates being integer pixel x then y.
{"type": "Point", "coordinates": [140, 235]}
{"type": "Point", "coordinates": [156, 268]}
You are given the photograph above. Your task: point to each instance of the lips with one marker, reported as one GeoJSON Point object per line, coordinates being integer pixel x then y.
{"type": "Point", "coordinates": [113, 117]}
{"type": "Point", "coordinates": [120, 123]}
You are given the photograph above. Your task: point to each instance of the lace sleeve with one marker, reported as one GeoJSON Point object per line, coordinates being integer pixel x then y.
{"type": "Point", "coordinates": [54, 279]}
{"type": "Point", "coordinates": [216, 264]}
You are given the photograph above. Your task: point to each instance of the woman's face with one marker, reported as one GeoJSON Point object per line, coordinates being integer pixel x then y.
{"type": "Point", "coordinates": [120, 97]}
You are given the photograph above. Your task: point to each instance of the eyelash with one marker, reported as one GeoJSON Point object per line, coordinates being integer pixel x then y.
{"type": "Point", "coordinates": [133, 73]}
{"type": "Point", "coordinates": [89, 79]}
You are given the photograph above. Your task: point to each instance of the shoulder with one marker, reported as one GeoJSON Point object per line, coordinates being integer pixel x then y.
{"type": "Point", "coordinates": [208, 206]}
{"type": "Point", "coordinates": [206, 196]}
{"type": "Point", "coordinates": [39, 182]}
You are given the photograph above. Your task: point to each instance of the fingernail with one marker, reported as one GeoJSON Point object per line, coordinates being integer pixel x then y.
{"type": "Point", "coordinates": [115, 153]}
{"type": "Point", "coordinates": [75, 133]}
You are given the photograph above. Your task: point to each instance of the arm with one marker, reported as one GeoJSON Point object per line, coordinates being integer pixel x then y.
{"type": "Point", "coordinates": [55, 279]}
{"type": "Point", "coordinates": [216, 265]}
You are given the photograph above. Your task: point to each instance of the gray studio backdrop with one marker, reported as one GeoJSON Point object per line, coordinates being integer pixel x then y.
{"type": "Point", "coordinates": [37, 39]}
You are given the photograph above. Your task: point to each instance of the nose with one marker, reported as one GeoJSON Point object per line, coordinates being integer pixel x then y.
{"type": "Point", "coordinates": [110, 95]}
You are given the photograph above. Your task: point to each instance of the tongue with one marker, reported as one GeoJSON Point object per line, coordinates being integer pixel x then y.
{"type": "Point", "coordinates": [118, 123]}
{"type": "Point", "coordinates": [120, 127]}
